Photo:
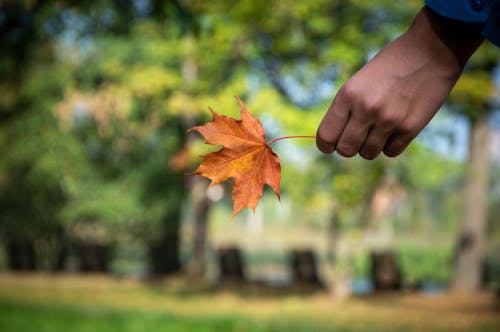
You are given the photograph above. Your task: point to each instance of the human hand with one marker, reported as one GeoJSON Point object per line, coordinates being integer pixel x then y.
{"type": "Point", "coordinates": [391, 99]}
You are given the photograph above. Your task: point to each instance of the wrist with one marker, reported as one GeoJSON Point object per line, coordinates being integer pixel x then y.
{"type": "Point", "coordinates": [449, 42]}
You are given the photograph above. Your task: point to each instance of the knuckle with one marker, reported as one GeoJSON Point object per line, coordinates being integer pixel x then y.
{"type": "Point", "coordinates": [349, 92]}
{"type": "Point", "coordinates": [371, 109]}
{"type": "Point", "coordinates": [407, 129]}
{"type": "Point", "coordinates": [389, 119]}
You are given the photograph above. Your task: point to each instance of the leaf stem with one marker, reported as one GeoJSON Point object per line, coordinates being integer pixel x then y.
{"type": "Point", "coordinates": [286, 137]}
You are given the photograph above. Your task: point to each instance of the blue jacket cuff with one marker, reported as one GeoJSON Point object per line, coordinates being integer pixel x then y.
{"type": "Point", "coordinates": [486, 12]}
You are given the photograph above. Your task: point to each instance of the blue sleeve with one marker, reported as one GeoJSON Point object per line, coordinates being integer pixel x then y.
{"type": "Point", "coordinates": [486, 12]}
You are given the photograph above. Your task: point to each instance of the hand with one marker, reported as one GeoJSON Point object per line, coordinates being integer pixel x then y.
{"type": "Point", "coordinates": [391, 99]}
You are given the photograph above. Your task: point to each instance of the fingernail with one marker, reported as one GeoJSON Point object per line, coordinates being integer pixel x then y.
{"type": "Point", "coordinates": [324, 147]}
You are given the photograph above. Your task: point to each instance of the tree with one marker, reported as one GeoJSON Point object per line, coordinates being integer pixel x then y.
{"type": "Point", "coordinates": [77, 157]}
{"type": "Point", "coordinates": [34, 163]}
{"type": "Point", "coordinates": [473, 96]}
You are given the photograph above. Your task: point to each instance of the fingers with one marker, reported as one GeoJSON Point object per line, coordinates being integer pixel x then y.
{"type": "Point", "coordinates": [368, 131]}
{"type": "Point", "coordinates": [396, 145]}
{"type": "Point", "coordinates": [368, 126]}
{"type": "Point", "coordinates": [375, 142]}
{"type": "Point", "coordinates": [333, 124]}
{"type": "Point", "coordinates": [402, 137]}
{"type": "Point", "coordinates": [407, 129]}
{"type": "Point", "coordinates": [346, 123]}
{"type": "Point", "coordinates": [353, 135]}
{"type": "Point", "coordinates": [388, 121]}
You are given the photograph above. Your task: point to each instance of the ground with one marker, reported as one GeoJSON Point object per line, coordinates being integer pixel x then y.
{"type": "Point", "coordinates": [44, 302]}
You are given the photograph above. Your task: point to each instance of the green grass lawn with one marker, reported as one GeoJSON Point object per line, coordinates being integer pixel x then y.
{"type": "Point", "coordinates": [15, 317]}
{"type": "Point", "coordinates": [98, 303]}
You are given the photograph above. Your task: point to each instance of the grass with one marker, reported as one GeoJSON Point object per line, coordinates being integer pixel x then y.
{"type": "Point", "coordinates": [38, 302]}
{"type": "Point", "coordinates": [15, 316]}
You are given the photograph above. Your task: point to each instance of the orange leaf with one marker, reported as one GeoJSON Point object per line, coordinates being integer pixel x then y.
{"type": "Point", "coordinates": [244, 156]}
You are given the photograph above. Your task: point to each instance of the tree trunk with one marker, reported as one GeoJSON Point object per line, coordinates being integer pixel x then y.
{"type": "Point", "coordinates": [333, 236]}
{"type": "Point", "coordinates": [304, 267]}
{"type": "Point", "coordinates": [61, 256]}
{"type": "Point", "coordinates": [385, 271]}
{"type": "Point", "coordinates": [201, 206]}
{"type": "Point", "coordinates": [94, 257]}
{"type": "Point", "coordinates": [164, 252]}
{"type": "Point", "coordinates": [21, 254]}
{"type": "Point", "coordinates": [230, 264]}
{"type": "Point", "coordinates": [163, 256]}
{"type": "Point", "coordinates": [198, 185]}
{"type": "Point", "coordinates": [57, 250]}
{"type": "Point", "coordinates": [469, 248]}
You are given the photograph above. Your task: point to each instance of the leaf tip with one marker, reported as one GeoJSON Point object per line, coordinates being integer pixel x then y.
{"type": "Point", "coordinates": [242, 105]}
{"type": "Point", "coordinates": [235, 212]}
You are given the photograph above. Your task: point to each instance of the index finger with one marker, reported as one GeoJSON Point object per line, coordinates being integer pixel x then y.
{"type": "Point", "coordinates": [333, 124]}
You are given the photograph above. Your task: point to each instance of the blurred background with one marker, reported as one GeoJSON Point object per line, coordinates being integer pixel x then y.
{"type": "Point", "coordinates": [103, 229]}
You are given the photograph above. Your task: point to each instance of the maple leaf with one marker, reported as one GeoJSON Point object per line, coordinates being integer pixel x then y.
{"type": "Point", "coordinates": [245, 156]}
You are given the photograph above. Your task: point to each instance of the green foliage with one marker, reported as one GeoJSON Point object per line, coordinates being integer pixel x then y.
{"type": "Point", "coordinates": [96, 98]}
{"type": "Point", "coordinates": [420, 264]}
{"type": "Point", "coordinates": [91, 140]}
{"type": "Point", "coordinates": [475, 90]}
{"type": "Point", "coordinates": [362, 265]}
